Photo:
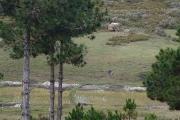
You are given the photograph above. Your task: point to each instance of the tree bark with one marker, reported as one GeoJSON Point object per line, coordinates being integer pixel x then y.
{"type": "Point", "coordinates": [52, 92]}
{"type": "Point", "coordinates": [60, 91]}
{"type": "Point", "coordinates": [26, 77]}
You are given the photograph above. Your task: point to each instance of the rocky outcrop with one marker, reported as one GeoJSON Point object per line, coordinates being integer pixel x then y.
{"type": "Point", "coordinates": [114, 27]}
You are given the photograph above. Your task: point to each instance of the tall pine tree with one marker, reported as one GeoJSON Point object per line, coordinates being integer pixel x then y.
{"type": "Point", "coordinates": [23, 17]}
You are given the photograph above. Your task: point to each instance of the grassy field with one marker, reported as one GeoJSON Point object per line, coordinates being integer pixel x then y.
{"type": "Point", "coordinates": [101, 100]}
{"type": "Point", "coordinates": [128, 62]}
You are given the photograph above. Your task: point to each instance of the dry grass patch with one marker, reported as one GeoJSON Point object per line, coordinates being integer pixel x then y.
{"type": "Point", "coordinates": [101, 100]}
{"type": "Point", "coordinates": [119, 40]}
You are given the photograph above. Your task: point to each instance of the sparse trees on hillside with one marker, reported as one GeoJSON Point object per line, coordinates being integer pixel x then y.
{"type": "Point", "coordinates": [59, 25]}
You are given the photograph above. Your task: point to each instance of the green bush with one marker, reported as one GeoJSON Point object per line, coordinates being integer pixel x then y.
{"type": "Point", "coordinates": [151, 117]}
{"type": "Point", "coordinates": [130, 109]}
{"type": "Point", "coordinates": [80, 114]}
{"type": "Point", "coordinates": [76, 114]}
{"type": "Point", "coordinates": [119, 40]}
{"type": "Point", "coordinates": [163, 82]}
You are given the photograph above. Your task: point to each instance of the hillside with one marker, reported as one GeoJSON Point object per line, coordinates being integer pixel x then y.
{"type": "Point", "coordinates": [119, 58]}
{"type": "Point", "coordinates": [128, 62]}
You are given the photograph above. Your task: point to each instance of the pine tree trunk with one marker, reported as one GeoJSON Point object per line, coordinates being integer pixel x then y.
{"type": "Point", "coordinates": [52, 92]}
{"type": "Point", "coordinates": [26, 77]}
{"type": "Point", "coordinates": [60, 92]}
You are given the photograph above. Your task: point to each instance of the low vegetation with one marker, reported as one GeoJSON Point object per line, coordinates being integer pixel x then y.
{"type": "Point", "coordinates": [119, 40]}
{"type": "Point", "coordinates": [145, 14]}
{"type": "Point", "coordinates": [151, 117]}
{"type": "Point", "coordinates": [100, 100]}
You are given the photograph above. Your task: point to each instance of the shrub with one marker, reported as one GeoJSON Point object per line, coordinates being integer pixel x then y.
{"type": "Point", "coordinates": [130, 109]}
{"type": "Point", "coordinates": [119, 40]}
{"type": "Point", "coordinates": [80, 114]}
{"type": "Point", "coordinates": [151, 117]}
{"type": "Point", "coordinates": [76, 114]}
{"type": "Point", "coordinates": [163, 81]}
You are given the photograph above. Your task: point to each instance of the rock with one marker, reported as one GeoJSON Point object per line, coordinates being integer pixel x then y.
{"type": "Point", "coordinates": [159, 31]}
{"type": "Point", "coordinates": [114, 27]}
{"type": "Point", "coordinates": [17, 106]}
{"type": "Point", "coordinates": [94, 87]}
{"type": "Point", "coordinates": [10, 83]}
{"type": "Point", "coordinates": [10, 105]}
{"type": "Point", "coordinates": [135, 89]}
{"type": "Point", "coordinates": [64, 85]}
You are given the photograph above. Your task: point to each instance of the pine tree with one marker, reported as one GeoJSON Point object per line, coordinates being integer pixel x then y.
{"type": "Point", "coordinates": [22, 15]}
{"type": "Point", "coordinates": [163, 81]}
{"type": "Point", "coordinates": [60, 22]}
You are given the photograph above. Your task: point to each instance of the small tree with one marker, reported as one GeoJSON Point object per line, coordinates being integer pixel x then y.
{"type": "Point", "coordinates": [151, 117]}
{"type": "Point", "coordinates": [17, 34]}
{"type": "Point", "coordinates": [130, 109]}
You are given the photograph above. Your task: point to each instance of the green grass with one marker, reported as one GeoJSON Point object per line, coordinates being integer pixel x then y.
{"type": "Point", "coordinates": [101, 100]}
{"type": "Point", "coordinates": [128, 62]}
{"type": "Point", "coordinates": [171, 33]}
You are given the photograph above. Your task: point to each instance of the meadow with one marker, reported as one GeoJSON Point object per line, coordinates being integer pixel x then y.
{"type": "Point", "coordinates": [128, 62]}
{"type": "Point", "coordinates": [129, 58]}
{"type": "Point", "coordinates": [101, 100]}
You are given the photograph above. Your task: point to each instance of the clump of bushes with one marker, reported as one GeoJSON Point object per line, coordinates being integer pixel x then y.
{"type": "Point", "coordinates": [151, 117]}
{"type": "Point", "coordinates": [78, 113]}
{"type": "Point", "coordinates": [119, 40]}
{"type": "Point", "coordinates": [130, 109]}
